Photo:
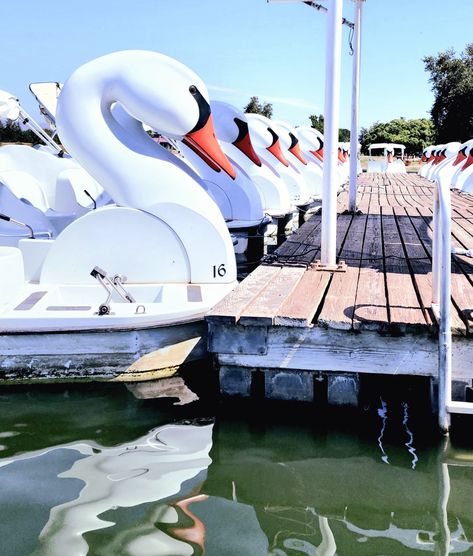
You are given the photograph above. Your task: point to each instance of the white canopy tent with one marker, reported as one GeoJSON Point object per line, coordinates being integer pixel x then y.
{"type": "Point", "coordinates": [387, 147]}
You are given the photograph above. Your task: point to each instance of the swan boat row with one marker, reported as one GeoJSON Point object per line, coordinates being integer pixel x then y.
{"type": "Point", "coordinates": [119, 246]}
{"type": "Point", "coordinates": [452, 162]}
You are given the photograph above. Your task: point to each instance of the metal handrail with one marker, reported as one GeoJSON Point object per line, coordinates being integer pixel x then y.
{"type": "Point", "coordinates": [441, 294]}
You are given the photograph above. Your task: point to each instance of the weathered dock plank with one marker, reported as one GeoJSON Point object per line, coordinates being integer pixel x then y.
{"type": "Point", "coordinates": [300, 307]}
{"type": "Point", "coordinates": [263, 310]}
{"type": "Point", "coordinates": [403, 305]}
{"type": "Point", "coordinates": [419, 263]}
{"type": "Point", "coordinates": [462, 290]}
{"type": "Point", "coordinates": [338, 306]}
{"type": "Point", "coordinates": [371, 302]}
{"type": "Point", "coordinates": [229, 309]}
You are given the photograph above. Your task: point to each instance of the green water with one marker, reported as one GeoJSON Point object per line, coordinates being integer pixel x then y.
{"type": "Point", "coordinates": [91, 470]}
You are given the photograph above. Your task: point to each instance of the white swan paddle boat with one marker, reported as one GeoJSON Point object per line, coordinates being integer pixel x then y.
{"type": "Point", "coordinates": [43, 178]}
{"type": "Point", "coordinates": [235, 195]}
{"type": "Point", "coordinates": [269, 149]}
{"type": "Point", "coordinates": [312, 173]}
{"type": "Point", "coordinates": [66, 308]}
{"type": "Point", "coordinates": [233, 134]}
{"type": "Point", "coordinates": [312, 145]}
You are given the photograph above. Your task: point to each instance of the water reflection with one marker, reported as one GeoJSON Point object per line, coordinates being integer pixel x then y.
{"type": "Point", "coordinates": [236, 487]}
{"type": "Point", "coordinates": [168, 465]}
{"type": "Point", "coordinates": [332, 494]}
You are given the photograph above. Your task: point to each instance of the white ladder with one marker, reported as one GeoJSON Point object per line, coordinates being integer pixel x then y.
{"type": "Point", "coordinates": [441, 294]}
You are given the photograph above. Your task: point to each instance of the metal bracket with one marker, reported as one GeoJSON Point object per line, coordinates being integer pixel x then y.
{"type": "Point", "coordinates": [110, 285]}
{"type": "Point", "coordinates": [341, 266]}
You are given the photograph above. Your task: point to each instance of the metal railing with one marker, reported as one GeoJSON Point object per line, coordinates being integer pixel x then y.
{"type": "Point", "coordinates": [441, 292]}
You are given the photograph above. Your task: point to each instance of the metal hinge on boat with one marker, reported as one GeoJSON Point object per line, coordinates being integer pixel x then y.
{"type": "Point", "coordinates": [111, 285]}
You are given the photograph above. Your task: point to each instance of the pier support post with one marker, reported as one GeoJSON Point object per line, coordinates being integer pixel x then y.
{"type": "Point", "coordinates": [331, 124]}
{"type": "Point", "coordinates": [355, 106]}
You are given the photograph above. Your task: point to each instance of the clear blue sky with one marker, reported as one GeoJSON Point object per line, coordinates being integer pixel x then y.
{"type": "Point", "coordinates": [242, 48]}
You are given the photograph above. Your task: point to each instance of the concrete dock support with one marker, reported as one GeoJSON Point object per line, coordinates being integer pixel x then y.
{"type": "Point", "coordinates": [235, 381]}
{"type": "Point", "coordinates": [343, 390]}
{"type": "Point", "coordinates": [289, 386]}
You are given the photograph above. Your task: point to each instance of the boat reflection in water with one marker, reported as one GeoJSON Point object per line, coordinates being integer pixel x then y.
{"type": "Point", "coordinates": [160, 474]}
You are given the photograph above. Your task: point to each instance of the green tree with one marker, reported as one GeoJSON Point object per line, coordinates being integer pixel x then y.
{"type": "Point", "coordinates": [451, 77]}
{"type": "Point", "coordinates": [317, 122]}
{"type": "Point", "coordinates": [414, 134]}
{"type": "Point", "coordinates": [344, 135]}
{"type": "Point", "coordinates": [255, 106]}
{"type": "Point", "coordinates": [11, 132]}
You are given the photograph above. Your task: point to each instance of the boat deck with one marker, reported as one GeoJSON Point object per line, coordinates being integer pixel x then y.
{"type": "Point", "coordinates": [379, 301]}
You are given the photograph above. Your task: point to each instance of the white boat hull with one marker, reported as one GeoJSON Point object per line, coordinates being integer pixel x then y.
{"type": "Point", "coordinates": [101, 354]}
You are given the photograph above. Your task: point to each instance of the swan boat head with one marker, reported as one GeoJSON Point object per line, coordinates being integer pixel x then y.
{"type": "Point", "coordinates": [231, 125]}
{"type": "Point", "coordinates": [288, 135]}
{"type": "Point", "coordinates": [265, 137]}
{"type": "Point", "coordinates": [312, 141]}
{"type": "Point", "coordinates": [153, 89]}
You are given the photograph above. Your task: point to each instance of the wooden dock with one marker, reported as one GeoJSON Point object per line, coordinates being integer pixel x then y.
{"type": "Point", "coordinates": [294, 321]}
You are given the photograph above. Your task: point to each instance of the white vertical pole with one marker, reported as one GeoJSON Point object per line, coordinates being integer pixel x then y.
{"type": "Point", "coordinates": [355, 106]}
{"type": "Point", "coordinates": [444, 223]}
{"type": "Point", "coordinates": [331, 125]}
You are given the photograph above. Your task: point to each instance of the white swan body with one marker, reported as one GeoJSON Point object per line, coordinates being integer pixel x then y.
{"type": "Point", "coordinates": [312, 143]}
{"type": "Point", "coordinates": [243, 207]}
{"type": "Point", "coordinates": [392, 165]}
{"type": "Point", "coordinates": [131, 167]}
{"type": "Point", "coordinates": [168, 236]}
{"type": "Point", "coordinates": [437, 159]}
{"type": "Point", "coordinates": [344, 160]}
{"type": "Point", "coordinates": [428, 159]}
{"type": "Point", "coordinates": [267, 146]}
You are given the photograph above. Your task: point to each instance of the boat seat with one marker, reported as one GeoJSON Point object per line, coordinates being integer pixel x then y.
{"type": "Point", "coordinates": [25, 186]}
{"type": "Point", "coordinates": [34, 252]}
{"type": "Point", "coordinates": [12, 276]}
